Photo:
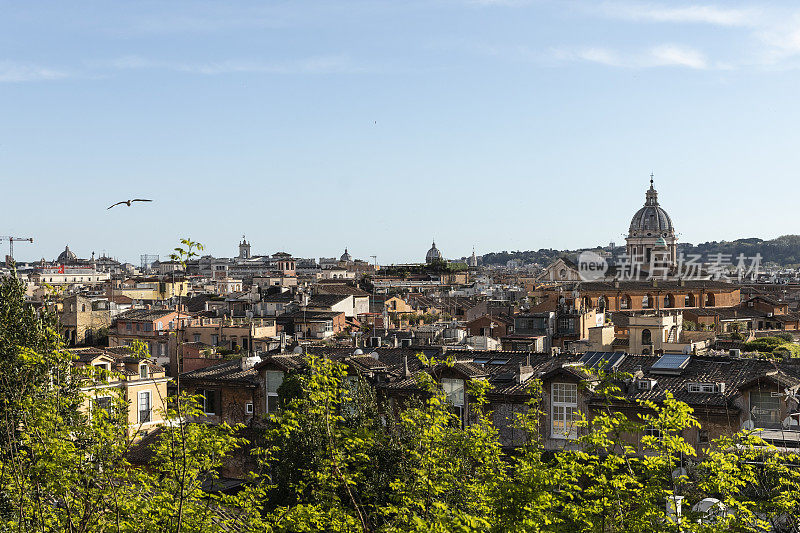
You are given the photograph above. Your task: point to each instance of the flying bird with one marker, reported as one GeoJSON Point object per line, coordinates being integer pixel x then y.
{"type": "Point", "coordinates": [128, 202]}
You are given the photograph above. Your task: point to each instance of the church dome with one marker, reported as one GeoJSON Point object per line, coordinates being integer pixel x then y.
{"type": "Point", "coordinates": [346, 257]}
{"type": "Point", "coordinates": [67, 257]}
{"type": "Point", "coordinates": [433, 254]}
{"type": "Point", "coordinates": [651, 220]}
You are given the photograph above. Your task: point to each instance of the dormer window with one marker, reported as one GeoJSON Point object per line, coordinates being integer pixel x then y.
{"type": "Point", "coordinates": [646, 384]}
{"type": "Point", "coordinates": [143, 374]}
{"type": "Point", "coordinates": [705, 388]}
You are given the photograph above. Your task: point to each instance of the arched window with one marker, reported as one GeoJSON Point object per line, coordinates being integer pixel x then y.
{"type": "Point", "coordinates": [669, 301]}
{"type": "Point", "coordinates": [647, 337]}
{"type": "Point", "coordinates": [602, 303]}
{"type": "Point", "coordinates": [690, 301]}
{"type": "Point", "coordinates": [710, 300]}
{"type": "Point", "coordinates": [647, 301]}
{"type": "Point", "coordinates": [625, 302]}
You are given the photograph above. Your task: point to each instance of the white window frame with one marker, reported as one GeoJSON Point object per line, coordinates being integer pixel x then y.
{"type": "Point", "coordinates": [455, 393]}
{"type": "Point", "coordinates": [248, 408]}
{"type": "Point", "coordinates": [652, 431]}
{"type": "Point", "coordinates": [706, 388]}
{"type": "Point", "coordinates": [144, 372]}
{"type": "Point", "coordinates": [563, 410]}
{"type": "Point", "coordinates": [149, 394]}
{"type": "Point", "coordinates": [272, 394]}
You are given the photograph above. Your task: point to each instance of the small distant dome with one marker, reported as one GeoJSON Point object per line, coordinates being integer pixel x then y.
{"type": "Point", "coordinates": [297, 350]}
{"type": "Point", "coordinates": [651, 219]}
{"type": "Point", "coordinates": [358, 351]}
{"type": "Point", "coordinates": [433, 254]}
{"type": "Point", "coordinates": [346, 257]}
{"type": "Point", "coordinates": [67, 257]}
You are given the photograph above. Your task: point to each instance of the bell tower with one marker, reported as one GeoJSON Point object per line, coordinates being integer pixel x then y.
{"type": "Point", "coordinates": [244, 249]}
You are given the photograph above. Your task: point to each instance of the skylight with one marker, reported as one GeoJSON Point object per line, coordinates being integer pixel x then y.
{"type": "Point", "coordinates": [671, 363]}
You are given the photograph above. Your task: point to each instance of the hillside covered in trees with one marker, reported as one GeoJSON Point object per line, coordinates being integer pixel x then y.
{"type": "Point", "coordinates": [782, 251]}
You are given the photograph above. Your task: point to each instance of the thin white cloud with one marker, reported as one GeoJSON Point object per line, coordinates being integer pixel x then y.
{"type": "Point", "coordinates": [310, 65]}
{"type": "Point", "coordinates": [674, 55]}
{"type": "Point", "coordinates": [665, 55]}
{"type": "Point", "coordinates": [13, 72]}
{"type": "Point", "coordinates": [692, 14]}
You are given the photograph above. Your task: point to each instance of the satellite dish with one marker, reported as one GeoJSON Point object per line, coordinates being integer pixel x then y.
{"type": "Point", "coordinates": [358, 351]}
{"type": "Point", "coordinates": [710, 508]}
{"type": "Point", "coordinates": [748, 425]}
{"type": "Point", "coordinates": [789, 422]}
{"type": "Point", "coordinates": [679, 472]}
{"type": "Point", "coordinates": [297, 350]}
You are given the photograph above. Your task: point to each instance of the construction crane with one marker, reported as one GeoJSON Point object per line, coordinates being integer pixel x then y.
{"type": "Point", "coordinates": [11, 241]}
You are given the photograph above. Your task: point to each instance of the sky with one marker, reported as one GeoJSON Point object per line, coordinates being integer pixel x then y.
{"type": "Point", "coordinates": [311, 126]}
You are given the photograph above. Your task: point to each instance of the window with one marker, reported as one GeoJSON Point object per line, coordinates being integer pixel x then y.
{"type": "Point", "coordinates": [645, 384]}
{"type": "Point", "coordinates": [625, 302]}
{"type": "Point", "coordinates": [145, 407]}
{"type": "Point", "coordinates": [707, 388]}
{"type": "Point", "coordinates": [454, 392]}
{"type": "Point", "coordinates": [128, 326]}
{"type": "Point", "coordinates": [143, 371]}
{"type": "Point", "coordinates": [651, 431]}
{"type": "Point", "coordinates": [138, 327]}
{"type": "Point", "coordinates": [214, 340]}
{"type": "Point", "coordinates": [208, 401]}
{"type": "Point", "coordinates": [248, 408]}
{"type": "Point", "coordinates": [564, 400]}
{"type": "Point", "coordinates": [765, 409]}
{"type": "Point", "coordinates": [702, 436]}
{"type": "Point", "coordinates": [196, 337]}
{"type": "Point", "coordinates": [159, 326]}
{"type": "Point", "coordinates": [83, 308]}
{"type": "Point", "coordinates": [102, 403]}
{"type": "Point", "coordinates": [647, 338]}
{"type": "Point", "coordinates": [104, 366]}
{"type": "Point", "coordinates": [273, 382]}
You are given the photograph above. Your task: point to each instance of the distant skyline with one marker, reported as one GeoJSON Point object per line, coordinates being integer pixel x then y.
{"type": "Point", "coordinates": [379, 126]}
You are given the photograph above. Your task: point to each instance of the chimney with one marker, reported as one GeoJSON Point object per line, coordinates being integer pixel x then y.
{"type": "Point", "coordinates": [406, 371]}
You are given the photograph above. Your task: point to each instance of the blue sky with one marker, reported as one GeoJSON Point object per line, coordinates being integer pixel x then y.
{"type": "Point", "coordinates": [311, 126]}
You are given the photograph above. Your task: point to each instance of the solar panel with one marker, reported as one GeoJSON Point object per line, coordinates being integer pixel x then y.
{"type": "Point", "coordinates": [499, 362]}
{"type": "Point", "coordinates": [591, 359]}
{"type": "Point", "coordinates": [672, 362]}
{"type": "Point", "coordinates": [614, 361]}
{"type": "Point", "coordinates": [609, 360]}
{"type": "Point", "coordinates": [480, 361]}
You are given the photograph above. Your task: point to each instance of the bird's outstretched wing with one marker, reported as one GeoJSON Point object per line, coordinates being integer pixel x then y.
{"type": "Point", "coordinates": [109, 207]}
{"type": "Point", "coordinates": [140, 200]}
